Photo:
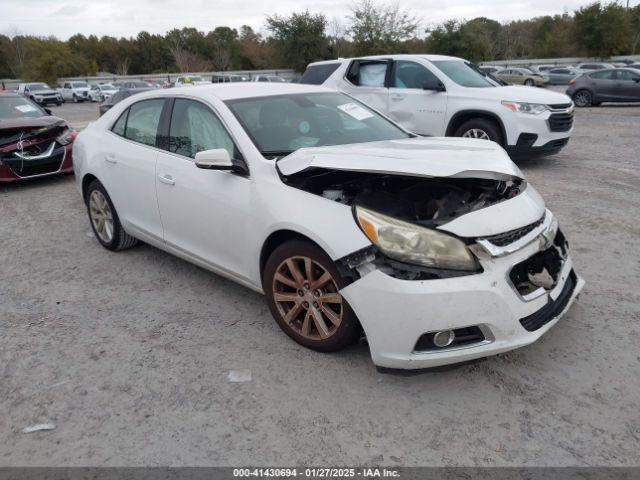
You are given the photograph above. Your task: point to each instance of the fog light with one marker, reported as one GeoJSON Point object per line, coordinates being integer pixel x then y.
{"type": "Point", "coordinates": [444, 338]}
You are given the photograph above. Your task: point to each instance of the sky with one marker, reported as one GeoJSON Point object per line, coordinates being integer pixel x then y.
{"type": "Point", "coordinates": [63, 18]}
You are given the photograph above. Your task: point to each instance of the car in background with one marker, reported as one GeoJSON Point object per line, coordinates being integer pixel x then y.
{"type": "Point", "coordinates": [119, 96]}
{"type": "Point", "coordinates": [634, 65]}
{"type": "Point", "coordinates": [75, 91]}
{"type": "Point", "coordinates": [562, 75]}
{"type": "Point", "coordinates": [101, 92]}
{"type": "Point", "coordinates": [33, 143]}
{"type": "Point", "coordinates": [521, 76]}
{"type": "Point", "coordinates": [542, 68]}
{"type": "Point", "coordinates": [612, 85]}
{"type": "Point", "coordinates": [437, 95]}
{"type": "Point", "coordinates": [133, 84]}
{"type": "Point", "coordinates": [590, 67]}
{"type": "Point", "coordinates": [229, 78]}
{"type": "Point", "coordinates": [490, 68]}
{"type": "Point", "coordinates": [268, 78]}
{"type": "Point", "coordinates": [436, 249]}
{"type": "Point", "coordinates": [189, 81]}
{"type": "Point", "coordinates": [40, 93]}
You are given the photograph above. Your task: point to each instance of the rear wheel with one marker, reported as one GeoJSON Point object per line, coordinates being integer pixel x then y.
{"type": "Point", "coordinates": [528, 82]}
{"type": "Point", "coordinates": [104, 219]}
{"type": "Point", "coordinates": [302, 286]}
{"type": "Point", "coordinates": [480, 128]}
{"type": "Point", "coordinates": [582, 98]}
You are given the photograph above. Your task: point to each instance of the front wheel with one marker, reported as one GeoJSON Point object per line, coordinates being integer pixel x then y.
{"type": "Point", "coordinates": [104, 219]}
{"type": "Point", "coordinates": [480, 128]}
{"type": "Point", "coordinates": [582, 98]}
{"type": "Point", "coordinates": [302, 286]}
{"type": "Point", "coordinates": [75, 98]}
{"type": "Point", "coordinates": [528, 82]}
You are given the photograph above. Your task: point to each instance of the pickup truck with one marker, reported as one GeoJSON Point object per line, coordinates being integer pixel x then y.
{"type": "Point", "coordinates": [76, 91]}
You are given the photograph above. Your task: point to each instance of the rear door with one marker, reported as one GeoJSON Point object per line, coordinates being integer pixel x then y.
{"type": "Point", "coordinates": [604, 84]}
{"type": "Point", "coordinates": [129, 155]}
{"type": "Point", "coordinates": [418, 110]}
{"type": "Point", "coordinates": [368, 81]}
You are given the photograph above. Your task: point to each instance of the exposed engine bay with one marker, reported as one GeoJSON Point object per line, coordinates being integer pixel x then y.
{"type": "Point", "coordinates": [427, 201]}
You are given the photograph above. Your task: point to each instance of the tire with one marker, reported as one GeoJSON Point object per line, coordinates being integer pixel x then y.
{"type": "Point", "coordinates": [324, 326]}
{"type": "Point", "coordinates": [118, 238]}
{"type": "Point", "coordinates": [582, 98]}
{"type": "Point", "coordinates": [480, 128]}
{"type": "Point", "coordinates": [75, 98]}
{"type": "Point", "coordinates": [528, 82]}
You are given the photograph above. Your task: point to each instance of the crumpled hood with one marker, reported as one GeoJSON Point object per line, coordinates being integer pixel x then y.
{"type": "Point", "coordinates": [429, 157]}
{"type": "Point", "coordinates": [520, 93]}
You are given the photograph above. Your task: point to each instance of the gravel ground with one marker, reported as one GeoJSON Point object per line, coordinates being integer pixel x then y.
{"type": "Point", "coordinates": [128, 354]}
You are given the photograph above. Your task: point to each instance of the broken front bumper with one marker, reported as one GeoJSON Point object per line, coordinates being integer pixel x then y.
{"type": "Point", "coordinates": [396, 313]}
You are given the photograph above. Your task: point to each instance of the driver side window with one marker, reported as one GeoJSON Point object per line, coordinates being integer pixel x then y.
{"type": "Point", "coordinates": [411, 75]}
{"type": "Point", "coordinates": [194, 128]}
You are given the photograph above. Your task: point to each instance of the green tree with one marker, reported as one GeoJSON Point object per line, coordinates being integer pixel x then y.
{"type": "Point", "coordinates": [301, 38]}
{"type": "Point", "coordinates": [603, 30]}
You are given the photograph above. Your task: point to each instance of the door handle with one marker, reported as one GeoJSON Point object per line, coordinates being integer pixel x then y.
{"type": "Point", "coordinates": [167, 179]}
{"type": "Point", "coordinates": [111, 158]}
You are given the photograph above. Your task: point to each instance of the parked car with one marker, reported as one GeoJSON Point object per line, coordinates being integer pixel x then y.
{"type": "Point", "coordinates": [229, 78]}
{"type": "Point", "coordinates": [562, 75]}
{"type": "Point", "coordinates": [613, 85]}
{"type": "Point", "coordinates": [189, 81]}
{"type": "Point", "coordinates": [119, 96]}
{"type": "Point", "coordinates": [268, 78]}
{"type": "Point", "coordinates": [542, 68]}
{"type": "Point", "coordinates": [40, 93]}
{"type": "Point", "coordinates": [490, 69]}
{"type": "Point", "coordinates": [33, 143]}
{"type": "Point", "coordinates": [590, 67]}
{"type": "Point", "coordinates": [129, 84]}
{"type": "Point", "coordinates": [437, 95]}
{"type": "Point", "coordinates": [634, 65]}
{"type": "Point", "coordinates": [443, 237]}
{"type": "Point", "coordinates": [75, 91]}
{"type": "Point", "coordinates": [520, 76]}
{"type": "Point", "coordinates": [101, 92]}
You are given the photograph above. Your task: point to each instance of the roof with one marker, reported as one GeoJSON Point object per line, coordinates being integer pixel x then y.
{"type": "Point", "coordinates": [232, 91]}
{"type": "Point", "coordinates": [429, 57]}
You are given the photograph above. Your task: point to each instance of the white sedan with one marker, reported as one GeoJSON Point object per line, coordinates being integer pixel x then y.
{"type": "Point", "coordinates": [435, 249]}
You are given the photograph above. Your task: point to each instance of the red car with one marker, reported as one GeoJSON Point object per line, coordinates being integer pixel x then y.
{"type": "Point", "coordinates": [33, 143]}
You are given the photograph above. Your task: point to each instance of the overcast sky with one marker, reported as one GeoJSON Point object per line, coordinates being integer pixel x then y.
{"type": "Point", "coordinates": [64, 18]}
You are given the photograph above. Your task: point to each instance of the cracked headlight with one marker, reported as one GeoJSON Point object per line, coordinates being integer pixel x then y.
{"type": "Point", "coordinates": [409, 243]}
{"type": "Point", "coordinates": [532, 108]}
{"type": "Point", "coordinates": [66, 137]}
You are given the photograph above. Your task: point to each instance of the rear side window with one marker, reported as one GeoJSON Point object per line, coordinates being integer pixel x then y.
{"type": "Point", "coordinates": [194, 128]}
{"type": "Point", "coordinates": [603, 75]}
{"type": "Point", "coordinates": [368, 73]}
{"type": "Point", "coordinates": [317, 74]}
{"type": "Point", "coordinates": [140, 122]}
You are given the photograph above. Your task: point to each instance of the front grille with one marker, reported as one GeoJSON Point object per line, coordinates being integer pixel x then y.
{"type": "Point", "coordinates": [560, 122]}
{"type": "Point", "coordinates": [552, 309]}
{"type": "Point", "coordinates": [507, 238]}
{"type": "Point", "coordinates": [29, 168]}
{"type": "Point", "coordinates": [559, 106]}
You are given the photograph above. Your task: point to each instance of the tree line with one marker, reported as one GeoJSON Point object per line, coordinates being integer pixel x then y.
{"type": "Point", "coordinates": [596, 30]}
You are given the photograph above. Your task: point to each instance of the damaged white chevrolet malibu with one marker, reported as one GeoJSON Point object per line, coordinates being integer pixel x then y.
{"type": "Point", "coordinates": [436, 249]}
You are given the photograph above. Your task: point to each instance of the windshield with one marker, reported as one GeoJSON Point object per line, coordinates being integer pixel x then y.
{"type": "Point", "coordinates": [463, 73]}
{"type": "Point", "coordinates": [38, 86]}
{"type": "Point", "coordinates": [18, 107]}
{"type": "Point", "coordinates": [80, 85]}
{"type": "Point", "coordinates": [281, 124]}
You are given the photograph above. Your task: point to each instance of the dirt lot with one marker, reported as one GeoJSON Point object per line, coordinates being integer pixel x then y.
{"type": "Point", "coordinates": [128, 354]}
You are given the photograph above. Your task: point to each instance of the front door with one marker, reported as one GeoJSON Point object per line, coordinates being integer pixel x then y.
{"type": "Point", "coordinates": [204, 212]}
{"type": "Point", "coordinates": [418, 110]}
{"type": "Point", "coordinates": [367, 81]}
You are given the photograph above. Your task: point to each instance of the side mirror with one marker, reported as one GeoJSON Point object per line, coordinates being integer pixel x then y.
{"type": "Point", "coordinates": [435, 85]}
{"type": "Point", "coordinates": [216, 159]}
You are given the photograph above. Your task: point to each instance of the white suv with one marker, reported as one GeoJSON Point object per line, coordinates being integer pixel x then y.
{"type": "Point", "coordinates": [77, 91]}
{"type": "Point", "coordinates": [436, 95]}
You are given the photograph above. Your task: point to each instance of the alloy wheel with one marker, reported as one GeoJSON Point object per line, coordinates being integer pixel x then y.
{"type": "Point", "coordinates": [101, 216]}
{"type": "Point", "coordinates": [307, 298]}
{"type": "Point", "coordinates": [476, 133]}
{"type": "Point", "coordinates": [582, 99]}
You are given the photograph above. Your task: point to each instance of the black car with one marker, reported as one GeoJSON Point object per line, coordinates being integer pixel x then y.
{"type": "Point", "coordinates": [611, 85]}
{"type": "Point", "coordinates": [119, 96]}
